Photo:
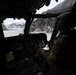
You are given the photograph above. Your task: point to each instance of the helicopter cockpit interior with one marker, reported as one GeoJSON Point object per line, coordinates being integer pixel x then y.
{"type": "Point", "coordinates": [18, 54]}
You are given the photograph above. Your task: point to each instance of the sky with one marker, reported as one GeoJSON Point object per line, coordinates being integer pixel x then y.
{"type": "Point", "coordinates": [53, 3]}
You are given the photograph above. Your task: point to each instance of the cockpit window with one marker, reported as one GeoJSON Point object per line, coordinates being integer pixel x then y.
{"type": "Point", "coordinates": [13, 27]}
{"type": "Point", "coordinates": [46, 25]}
{"type": "Point", "coordinates": [52, 4]}
{"type": "Point", "coordinates": [43, 25]}
{"type": "Point", "coordinates": [57, 7]}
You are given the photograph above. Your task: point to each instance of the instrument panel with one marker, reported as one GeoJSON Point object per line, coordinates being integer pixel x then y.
{"type": "Point", "coordinates": [19, 55]}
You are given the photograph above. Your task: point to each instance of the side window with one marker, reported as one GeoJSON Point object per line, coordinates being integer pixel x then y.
{"type": "Point", "coordinates": [43, 25]}
{"type": "Point", "coordinates": [13, 27]}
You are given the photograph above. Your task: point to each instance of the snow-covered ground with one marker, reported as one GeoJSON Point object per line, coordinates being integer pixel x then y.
{"type": "Point", "coordinates": [12, 33]}
{"type": "Point", "coordinates": [17, 32]}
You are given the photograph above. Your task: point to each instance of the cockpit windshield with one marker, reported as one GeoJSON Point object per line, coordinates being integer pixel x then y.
{"type": "Point", "coordinates": [14, 27]}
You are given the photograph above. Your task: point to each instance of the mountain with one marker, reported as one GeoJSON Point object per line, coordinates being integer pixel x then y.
{"type": "Point", "coordinates": [40, 24]}
{"type": "Point", "coordinates": [16, 25]}
{"type": "Point", "coordinates": [43, 24]}
{"type": "Point", "coordinates": [62, 7]}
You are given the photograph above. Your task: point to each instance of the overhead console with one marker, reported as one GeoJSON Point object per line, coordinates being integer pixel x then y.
{"type": "Point", "coordinates": [20, 8]}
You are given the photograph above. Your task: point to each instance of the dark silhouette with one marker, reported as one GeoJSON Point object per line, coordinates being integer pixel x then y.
{"type": "Point", "coordinates": [61, 55]}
